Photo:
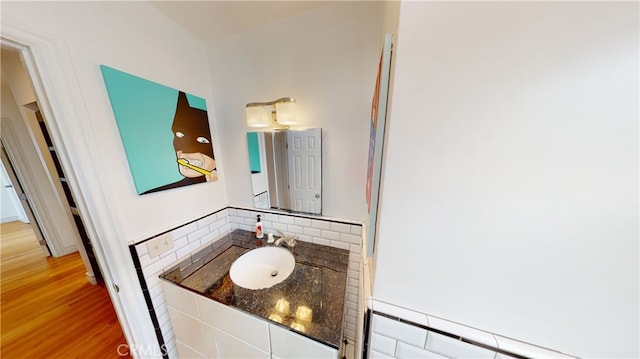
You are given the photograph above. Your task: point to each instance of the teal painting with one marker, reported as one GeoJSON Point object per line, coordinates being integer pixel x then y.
{"type": "Point", "coordinates": [165, 132]}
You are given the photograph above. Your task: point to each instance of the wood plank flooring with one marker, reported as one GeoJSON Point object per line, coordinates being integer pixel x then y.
{"type": "Point", "coordinates": [48, 308]}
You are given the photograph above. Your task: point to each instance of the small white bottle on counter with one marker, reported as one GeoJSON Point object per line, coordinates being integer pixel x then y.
{"type": "Point", "coordinates": [259, 229]}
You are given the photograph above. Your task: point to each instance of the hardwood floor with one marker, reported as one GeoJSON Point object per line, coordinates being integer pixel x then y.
{"type": "Point", "coordinates": [48, 308]}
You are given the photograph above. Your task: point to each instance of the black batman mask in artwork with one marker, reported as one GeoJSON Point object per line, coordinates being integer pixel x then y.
{"type": "Point", "coordinates": [191, 128]}
{"type": "Point", "coordinates": [192, 144]}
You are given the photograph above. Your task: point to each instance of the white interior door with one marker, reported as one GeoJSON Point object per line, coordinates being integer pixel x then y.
{"type": "Point", "coordinates": [11, 209]}
{"type": "Point", "coordinates": [23, 203]}
{"type": "Point", "coordinates": [304, 152]}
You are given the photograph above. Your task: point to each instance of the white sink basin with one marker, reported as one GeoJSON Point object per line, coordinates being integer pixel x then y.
{"type": "Point", "coordinates": [262, 268]}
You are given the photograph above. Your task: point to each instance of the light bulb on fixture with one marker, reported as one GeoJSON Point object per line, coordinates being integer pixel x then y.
{"type": "Point", "coordinates": [258, 116]}
{"type": "Point", "coordinates": [278, 114]}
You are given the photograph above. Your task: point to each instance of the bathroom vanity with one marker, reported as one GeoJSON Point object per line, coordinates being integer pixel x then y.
{"type": "Point", "coordinates": [301, 316]}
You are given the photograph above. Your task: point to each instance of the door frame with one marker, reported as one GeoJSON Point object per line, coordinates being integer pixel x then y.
{"type": "Point", "coordinates": [48, 63]}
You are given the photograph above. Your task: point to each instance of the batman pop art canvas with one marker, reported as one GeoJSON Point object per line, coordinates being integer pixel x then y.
{"type": "Point", "coordinates": [165, 132]}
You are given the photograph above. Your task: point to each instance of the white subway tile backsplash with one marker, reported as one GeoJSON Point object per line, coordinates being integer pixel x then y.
{"type": "Point", "coordinates": [210, 237]}
{"type": "Point", "coordinates": [180, 242]}
{"type": "Point", "coordinates": [163, 317]}
{"type": "Point", "coordinates": [406, 351]}
{"type": "Point", "coordinates": [330, 235]}
{"type": "Point", "coordinates": [340, 245]}
{"type": "Point", "coordinates": [142, 250]}
{"type": "Point", "coordinates": [153, 280]}
{"type": "Point", "coordinates": [453, 348]}
{"type": "Point", "coordinates": [350, 238]}
{"type": "Point", "coordinates": [292, 228]}
{"type": "Point", "coordinates": [223, 214]}
{"type": "Point", "coordinates": [352, 282]}
{"type": "Point", "coordinates": [315, 223]}
{"type": "Point", "coordinates": [464, 331]}
{"type": "Point", "coordinates": [340, 227]}
{"type": "Point", "coordinates": [206, 221]}
{"type": "Point", "coordinates": [218, 224]}
{"type": "Point", "coordinates": [271, 217]}
{"type": "Point", "coordinates": [315, 232]}
{"type": "Point", "coordinates": [304, 222]}
{"type": "Point", "coordinates": [155, 290]}
{"type": "Point", "coordinates": [352, 274]}
{"type": "Point", "coordinates": [383, 344]}
{"type": "Point", "coordinates": [350, 328]}
{"type": "Point", "coordinates": [406, 314]}
{"type": "Point", "coordinates": [159, 300]}
{"type": "Point", "coordinates": [355, 266]}
{"type": "Point", "coordinates": [156, 267]}
{"type": "Point", "coordinates": [352, 297]}
{"type": "Point", "coordinates": [166, 329]}
{"type": "Point", "coordinates": [187, 250]}
{"type": "Point", "coordinates": [226, 228]}
{"type": "Point", "coordinates": [356, 229]}
{"type": "Point", "coordinates": [403, 332]}
{"type": "Point", "coordinates": [526, 349]}
{"type": "Point", "coordinates": [184, 230]}
{"type": "Point", "coordinates": [280, 227]}
{"type": "Point", "coordinates": [286, 219]}
{"type": "Point", "coordinates": [197, 234]}
{"type": "Point", "coordinates": [145, 260]}
{"type": "Point", "coordinates": [377, 355]}
{"type": "Point", "coordinates": [250, 214]}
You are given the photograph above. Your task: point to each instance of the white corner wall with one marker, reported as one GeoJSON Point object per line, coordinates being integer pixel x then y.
{"type": "Point", "coordinates": [327, 60]}
{"type": "Point", "coordinates": [510, 198]}
{"type": "Point", "coordinates": [136, 38]}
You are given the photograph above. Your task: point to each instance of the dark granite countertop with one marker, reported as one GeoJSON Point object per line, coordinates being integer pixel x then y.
{"type": "Point", "coordinates": [317, 283]}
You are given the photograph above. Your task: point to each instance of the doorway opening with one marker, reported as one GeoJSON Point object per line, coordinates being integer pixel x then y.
{"type": "Point", "coordinates": [58, 298]}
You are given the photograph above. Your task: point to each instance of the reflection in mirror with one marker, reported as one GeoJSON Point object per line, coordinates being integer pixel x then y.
{"type": "Point", "coordinates": [286, 170]}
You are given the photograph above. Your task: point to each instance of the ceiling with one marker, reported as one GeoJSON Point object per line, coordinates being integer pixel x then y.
{"type": "Point", "coordinates": [213, 19]}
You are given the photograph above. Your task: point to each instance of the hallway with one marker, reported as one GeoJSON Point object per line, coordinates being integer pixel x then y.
{"type": "Point", "coordinates": [48, 307]}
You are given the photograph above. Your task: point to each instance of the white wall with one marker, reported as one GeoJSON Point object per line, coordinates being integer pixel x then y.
{"type": "Point", "coordinates": [510, 198]}
{"type": "Point", "coordinates": [136, 38]}
{"type": "Point", "coordinates": [327, 60]}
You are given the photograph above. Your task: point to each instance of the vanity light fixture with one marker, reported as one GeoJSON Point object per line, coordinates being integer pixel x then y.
{"type": "Point", "coordinates": [278, 114]}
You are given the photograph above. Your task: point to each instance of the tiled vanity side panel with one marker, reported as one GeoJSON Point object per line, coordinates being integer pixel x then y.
{"type": "Point", "coordinates": [187, 239]}
{"type": "Point", "coordinates": [394, 339]}
{"type": "Point", "coordinates": [397, 332]}
{"type": "Point", "coordinates": [334, 233]}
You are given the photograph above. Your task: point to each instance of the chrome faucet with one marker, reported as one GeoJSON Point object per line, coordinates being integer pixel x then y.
{"type": "Point", "coordinates": [287, 241]}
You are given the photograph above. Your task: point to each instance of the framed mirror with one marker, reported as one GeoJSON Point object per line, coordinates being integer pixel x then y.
{"type": "Point", "coordinates": [286, 170]}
